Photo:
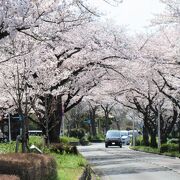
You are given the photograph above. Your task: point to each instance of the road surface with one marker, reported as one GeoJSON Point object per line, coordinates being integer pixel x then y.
{"type": "Point", "coordinates": [114, 163]}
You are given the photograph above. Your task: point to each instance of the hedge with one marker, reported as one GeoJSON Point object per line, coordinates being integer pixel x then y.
{"type": "Point", "coordinates": [28, 166]}
{"type": "Point", "coordinates": [77, 133]}
{"type": "Point", "coordinates": [169, 147]}
{"type": "Point", "coordinates": [8, 177]}
{"type": "Point", "coordinates": [63, 148]}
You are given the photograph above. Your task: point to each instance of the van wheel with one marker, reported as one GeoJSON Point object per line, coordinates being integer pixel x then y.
{"type": "Point", "coordinates": [120, 145]}
{"type": "Point", "coordinates": [106, 145]}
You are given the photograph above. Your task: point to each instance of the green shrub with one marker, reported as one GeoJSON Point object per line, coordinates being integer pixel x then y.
{"type": "Point", "coordinates": [169, 147]}
{"type": "Point", "coordinates": [65, 139]}
{"type": "Point", "coordinates": [84, 141]}
{"type": "Point", "coordinates": [28, 166]}
{"type": "Point", "coordinates": [77, 133]}
{"type": "Point", "coordinates": [173, 147]}
{"type": "Point", "coordinates": [138, 141]}
{"type": "Point", "coordinates": [98, 137]}
{"type": "Point", "coordinates": [164, 148]}
{"type": "Point", "coordinates": [63, 148]}
{"type": "Point", "coordinates": [173, 140]}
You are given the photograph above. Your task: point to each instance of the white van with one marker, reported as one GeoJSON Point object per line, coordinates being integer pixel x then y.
{"type": "Point", "coordinates": [125, 137]}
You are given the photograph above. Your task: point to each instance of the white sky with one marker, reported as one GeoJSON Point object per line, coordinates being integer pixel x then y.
{"type": "Point", "coordinates": [135, 14]}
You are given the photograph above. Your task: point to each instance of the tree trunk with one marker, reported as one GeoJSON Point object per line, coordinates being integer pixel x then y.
{"type": "Point", "coordinates": [153, 142]}
{"type": "Point", "coordinates": [145, 136]}
{"type": "Point", "coordinates": [106, 121]}
{"type": "Point", "coordinates": [54, 133]}
{"type": "Point", "coordinates": [93, 123]}
{"type": "Point", "coordinates": [118, 126]}
{"type": "Point", "coordinates": [44, 134]}
{"type": "Point", "coordinates": [56, 121]}
{"type": "Point", "coordinates": [24, 134]}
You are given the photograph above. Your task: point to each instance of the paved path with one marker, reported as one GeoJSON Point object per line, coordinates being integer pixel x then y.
{"type": "Point", "coordinates": [116, 163]}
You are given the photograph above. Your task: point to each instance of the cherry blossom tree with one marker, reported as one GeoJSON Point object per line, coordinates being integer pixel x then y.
{"type": "Point", "coordinates": [134, 83]}
{"type": "Point", "coordinates": [29, 20]}
{"type": "Point", "coordinates": [171, 14]}
{"type": "Point", "coordinates": [41, 35]}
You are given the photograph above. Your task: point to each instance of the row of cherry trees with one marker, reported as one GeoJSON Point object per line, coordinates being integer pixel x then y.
{"type": "Point", "coordinates": [151, 83]}
{"type": "Point", "coordinates": [146, 79]}
{"type": "Point", "coordinates": [52, 54]}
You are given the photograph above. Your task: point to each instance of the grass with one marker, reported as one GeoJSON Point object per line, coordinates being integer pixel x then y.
{"type": "Point", "coordinates": [145, 149]}
{"type": "Point", "coordinates": [69, 166]}
{"type": "Point", "coordinates": [7, 147]}
{"type": "Point", "coordinates": [10, 147]}
{"type": "Point", "coordinates": [173, 154]}
{"type": "Point", "coordinates": [155, 150]}
{"type": "Point", "coordinates": [38, 141]}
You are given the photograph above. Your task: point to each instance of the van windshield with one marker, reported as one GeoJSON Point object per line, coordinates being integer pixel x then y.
{"type": "Point", "coordinates": [114, 134]}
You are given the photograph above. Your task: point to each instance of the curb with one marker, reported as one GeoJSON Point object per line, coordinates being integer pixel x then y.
{"type": "Point", "coordinates": [86, 175]}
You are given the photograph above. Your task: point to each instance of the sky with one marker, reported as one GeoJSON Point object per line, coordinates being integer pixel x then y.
{"type": "Point", "coordinates": [133, 14]}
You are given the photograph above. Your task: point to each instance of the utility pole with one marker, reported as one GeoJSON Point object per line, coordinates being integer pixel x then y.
{"type": "Point", "coordinates": [159, 127]}
{"type": "Point", "coordinates": [9, 125]}
{"type": "Point", "coordinates": [133, 135]}
{"type": "Point", "coordinates": [133, 132]}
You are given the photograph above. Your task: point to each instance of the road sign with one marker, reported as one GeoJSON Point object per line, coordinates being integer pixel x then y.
{"type": "Point", "coordinates": [87, 121]}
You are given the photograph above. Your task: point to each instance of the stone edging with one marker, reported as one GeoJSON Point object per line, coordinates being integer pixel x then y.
{"type": "Point", "coordinates": [86, 175]}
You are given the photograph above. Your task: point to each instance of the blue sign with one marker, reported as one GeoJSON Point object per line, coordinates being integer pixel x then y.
{"type": "Point", "coordinates": [87, 121]}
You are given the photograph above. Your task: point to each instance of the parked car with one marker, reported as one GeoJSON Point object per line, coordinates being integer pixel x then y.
{"type": "Point", "coordinates": [125, 137]}
{"type": "Point", "coordinates": [113, 138]}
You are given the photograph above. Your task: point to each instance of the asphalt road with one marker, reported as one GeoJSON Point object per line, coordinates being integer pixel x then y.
{"type": "Point", "coordinates": [114, 163]}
